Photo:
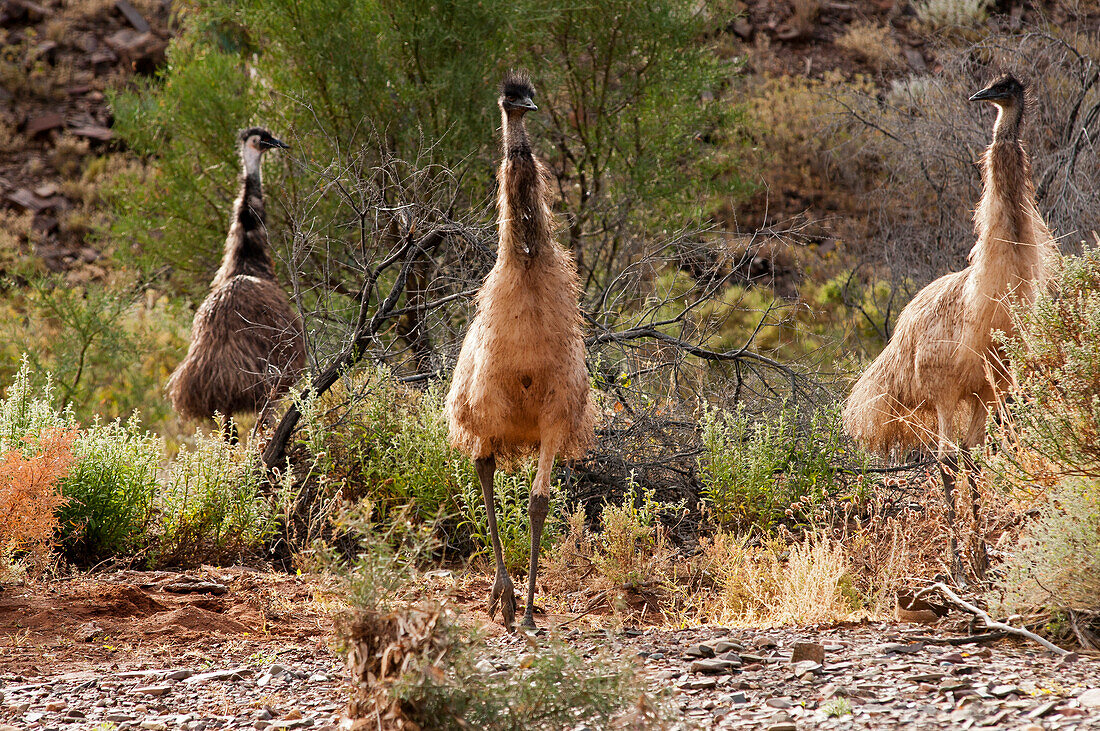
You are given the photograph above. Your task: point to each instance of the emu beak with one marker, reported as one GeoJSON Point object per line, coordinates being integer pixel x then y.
{"type": "Point", "coordinates": [986, 95]}
{"type": "Point", "coordinates": [524, 103]}
{"type": "Point", "coordinates": [275, 143]}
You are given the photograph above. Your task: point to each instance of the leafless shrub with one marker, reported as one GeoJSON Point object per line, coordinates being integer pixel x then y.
{"type": "Point", "coordinates": [911, 150]}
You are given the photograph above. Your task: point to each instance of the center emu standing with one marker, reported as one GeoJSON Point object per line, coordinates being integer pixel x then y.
{"type": "Point", "coordinates": [520, 384]}
{"type": "Point", "coordinates": [942, 355]}
{"type": "Point", "coordinates": [247, 344]}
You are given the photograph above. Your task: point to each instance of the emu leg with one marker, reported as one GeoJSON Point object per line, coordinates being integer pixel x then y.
{"type": "Point", "coordinates": [981, 559]}
{"type": "Point", "coordinates": [538, 506]}
{"type": "Point", "coordinates": [975, 437]}
{"type": "Point", "coordinates": [949, 466]}
{"type": "Point", "coordinates": [503, 593]}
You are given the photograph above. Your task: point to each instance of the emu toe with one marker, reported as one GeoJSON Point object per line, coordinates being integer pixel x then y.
{"type": "Point", "coordinates": [528, 621]}
{"type": "Point", "coordinates": [504, 596]}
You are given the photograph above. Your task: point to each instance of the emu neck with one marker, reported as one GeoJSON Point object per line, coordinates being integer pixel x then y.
{"type": "Point", "coordinates": [246, 247]}
{"type": "Point", "coordinates": [524, 215]}
{"type": "Point", "coordinates": [1012, 238]}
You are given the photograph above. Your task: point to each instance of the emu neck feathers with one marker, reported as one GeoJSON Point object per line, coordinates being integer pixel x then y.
{"type": "Point", "coordinates": [524, 212]}
{"type": "Point", "coordinates": [246, 248]}
{"type": "Point", "coordinates": [1013, 240]}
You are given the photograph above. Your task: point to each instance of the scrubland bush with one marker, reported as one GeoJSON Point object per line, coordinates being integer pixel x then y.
{"type": "Point", "coordinates": [1051, 444]}
{"type": "Point", "coordinates": [107, 347]}
{"type": "Point", "coordinates": [110, 491]}
{"type": "Point", "coordinates": [940, 14]}
{"type": "Point", "coordinates": [412, 661]}
{"type": "Point", "coordinates": [763, 472]}
{"type": "Point", "coordinates": [29, 494]}
{"type": "Point", "coordinates": [775, 582]}
{"type": "Point", "coordinates": [379, 441]}
{"type": "Point", "coordinates": [211, 508]}
{"type": "Point", "coordinates": [871, 42]}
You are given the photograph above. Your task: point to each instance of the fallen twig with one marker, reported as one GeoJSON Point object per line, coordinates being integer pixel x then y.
{"type": "Point", "coordinates": [989, 621]}
{"type": "Point", "coordinates": [970, 640]}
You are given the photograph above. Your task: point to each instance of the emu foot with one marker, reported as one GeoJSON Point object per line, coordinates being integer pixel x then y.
{"type": "Point", "coordinates": [504, 596]}
{"type": "Point", "coordinates": [528, 620]}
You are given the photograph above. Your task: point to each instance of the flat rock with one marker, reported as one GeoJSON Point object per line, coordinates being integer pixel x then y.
{"type": "Point", "coordinates": [807, 666]}
{"type": "Point", "coordinates": [219, 675]}
{"type": "Point", "coordinates": [1090, 698]}
{"type": "Point", "coordinates": [44, 123]}
{"type": "Point", "coordinates": [711, 666]}
{"type": "Point", "coordinates": [803, 651]}
{"type": "Point", "coordinates": [154, 690]}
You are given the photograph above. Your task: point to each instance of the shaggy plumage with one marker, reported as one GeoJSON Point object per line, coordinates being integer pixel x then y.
{"type": "Point", "coordinates": [942, 362]}
{"type": "Point", "coordinates": [520, 384]}
{"type": "Point", "coordinates": [247, 343]}
{"type": "Point", "coordinates": [942, 371]}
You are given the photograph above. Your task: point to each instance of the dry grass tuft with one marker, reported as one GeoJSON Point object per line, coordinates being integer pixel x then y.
{"type": "Point", "coordinates": [873, 43]}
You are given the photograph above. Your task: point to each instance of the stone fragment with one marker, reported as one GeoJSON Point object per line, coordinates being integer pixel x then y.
{"type": "Point", "coordinates": [1043, 709]}
{"type": "Point", "coordinates": [700, 650]}
{"type": "Point", "coordinates": [710, 666]}
{"type": "Point", "coordinates": [721, 646]}
{"type": "Point", "coordinates": [1090, 698]}
{"type": "Point", "coordinates": [196, 587]}
{"type": "Point", "coordinates": [55, 706]}
{"type": "Point", "coordinates": [953, 657]}
{"type": "Point", "coordinates": [153, 690]}
{"type": "Point", "coordinates": [700, 684]}
{"type": "Point", "coordinates": [181, 674]}
{"type": "Point", "coordinates": [802, 651]}
{"type": "Point", "coordinates": [219, 675]}
{"type": "Point", "coordinates": [44, 123]}
{"type": "Point", "coordinates": [93, 132]}
{"type": "Point", "coordinates": [902, 648]}
{"type": "Point", "coordinates": [807, 666]}
{"type": "Point", "coordinates": [1003, 691]}
{"type": "Point", "coordinates": [781, 703]}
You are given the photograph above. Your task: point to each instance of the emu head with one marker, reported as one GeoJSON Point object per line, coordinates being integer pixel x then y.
{"type": "Point", "coordinates": [516, 93]}
{"type": "Point", "coordinates": [259, 140]}
{"type": "Point", "coordinates": [1006, 91]}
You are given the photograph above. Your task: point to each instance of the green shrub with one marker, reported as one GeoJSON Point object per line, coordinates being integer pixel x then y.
{"type": "Point", "coordinates": [211, 508]}
{"type": "Point", "coordinates": [411, 659]}
{"type": "Point", "coordinates": [110, 490]}
{"type": "Point", "coordinates": [1051, 443]}
{"type": "Point", "coordinates": [380, 441]}
{"type": "Point", "coordinates": [765, 471]}
{"type": "Point", "coordinates": [24, 417]}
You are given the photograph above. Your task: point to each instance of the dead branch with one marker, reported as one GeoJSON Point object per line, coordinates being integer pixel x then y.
{"type": "Point", "coordinates": [989, 621]}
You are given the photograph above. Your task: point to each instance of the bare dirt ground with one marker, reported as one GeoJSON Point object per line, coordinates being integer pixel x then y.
{"type": "Point", "coordinates": [237, 648]}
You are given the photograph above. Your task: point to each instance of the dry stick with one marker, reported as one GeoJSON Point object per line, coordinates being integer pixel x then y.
{"type": "Point", "coordinates": [989, 621]}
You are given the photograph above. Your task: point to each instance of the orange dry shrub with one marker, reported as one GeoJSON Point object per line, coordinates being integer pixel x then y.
{"type": "Point", "coordinates": [29, 492]}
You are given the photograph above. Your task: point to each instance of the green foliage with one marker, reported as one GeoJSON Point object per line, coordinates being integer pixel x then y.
{"type": "Point", "coordinates": [24, 416]}
{"type": "Point", "coordinates": [110, 490]}
{"type": "Point", "coordinates": [627, 548]}
{"type": "Point", "coordinates": [384, 443]}
{"type": "Point", "coordinates": [106, 349]}
{"type": "Point", "coordinates": [211, 508]}
{"type": "Point", "coordinates": [1056, 564]}
{"type": "Point", "coordinates": [629, 92]}
{"type": "Point", "coordinates": [1055, 357]}
{"type": "Point", "coordinates": [765, 471]}
{"type": "Point", "coordinates": [1052, 443]}
{"type": "Point", "coordinates": [554, 687]}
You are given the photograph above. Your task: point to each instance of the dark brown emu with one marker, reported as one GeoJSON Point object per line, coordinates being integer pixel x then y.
{"type": "Point", "coordinates": [247, 343]}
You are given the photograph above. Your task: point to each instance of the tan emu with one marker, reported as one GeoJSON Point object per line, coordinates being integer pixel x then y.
{"type": "Point", "coordinates": [520, 384]}
{"type": "Point", "coordinates": [247, 343]}
{"type": "Point", "coordinates": [942, 368]}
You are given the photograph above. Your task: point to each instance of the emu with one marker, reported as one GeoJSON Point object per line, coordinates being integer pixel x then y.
{"type": "Point", "coordinates": [520, 384]}
{"type": "Point", "coordinates": [247, 343]}
{"type": "Point", "coordinates": [942, 361]}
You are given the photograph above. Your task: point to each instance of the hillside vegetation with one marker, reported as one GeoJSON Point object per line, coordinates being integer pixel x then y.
{"type": "Point", "coordinates": [752, 189]}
